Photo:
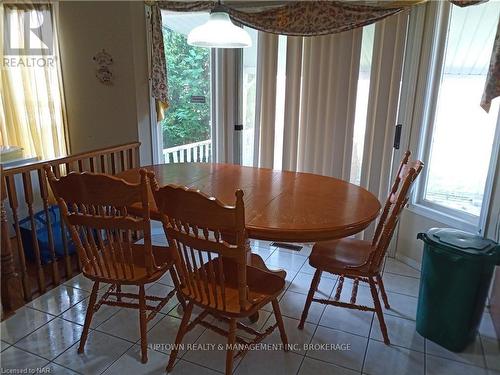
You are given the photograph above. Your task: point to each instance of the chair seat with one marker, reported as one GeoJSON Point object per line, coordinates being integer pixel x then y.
{"type": "Point", "coordinates": [163, 258]}
{"type": "Point", "coordinates": [263, 286]}
{"type": "Point", "coordinates": [338, 255]}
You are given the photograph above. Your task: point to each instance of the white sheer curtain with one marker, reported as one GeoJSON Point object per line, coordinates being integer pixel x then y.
{"type": "Point", "coordinates": [32, 106]}
{"type": "Point", "coordinates": [265, 108]}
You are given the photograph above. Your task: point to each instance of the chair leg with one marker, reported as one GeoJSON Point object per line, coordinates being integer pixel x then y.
{"type": "Point", "coordinates": [143, 324]}
{"type": "Point", "coordinates": [177, 284]}
{"type": "Point", "coordinates": [118, 291]}
{"type": "Point", "coordinates": [231, 341]}
{"type": "Point", "coordinates": [382, 291]}
{"type": "Point", "coordinates": [180, 335]}
{"type": "Point", "coordinates": [378, 310]}
{"type": "Point", "coordinates": [281, 325]}
{"type": "Point", "coordinates": [88, 316]}
{"type": "Point", "coordinates": [310, 296]}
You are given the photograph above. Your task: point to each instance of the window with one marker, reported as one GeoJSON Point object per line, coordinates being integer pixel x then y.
{"type": "Point", "coordinates": [459, 135]}
{"type": "Point", "coordinates": [31, 108]}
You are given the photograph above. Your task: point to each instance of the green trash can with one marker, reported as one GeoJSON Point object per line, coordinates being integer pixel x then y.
{"type": "Point", "coordinates": [457, 268]}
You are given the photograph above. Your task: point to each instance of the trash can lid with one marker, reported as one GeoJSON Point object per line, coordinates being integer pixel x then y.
{"type": "Point", "coordinates": [460, 241]}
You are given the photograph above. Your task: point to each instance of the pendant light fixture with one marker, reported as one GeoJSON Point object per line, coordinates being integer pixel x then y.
{"type": "Point", "coordinates": [219, 32]}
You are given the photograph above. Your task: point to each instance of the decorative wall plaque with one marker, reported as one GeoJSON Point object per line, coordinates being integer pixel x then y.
{"type": "Point", "coordinates": [103, 73]}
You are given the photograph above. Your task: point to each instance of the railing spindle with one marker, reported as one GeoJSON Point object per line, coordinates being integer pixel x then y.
{"type": "Point", "coordinates": [67, 259]}
{"type": "Point", "coordinates": [28, 197]}
{"type": "Point", "coordinates": [92, 165]}
{"type": "Point", "coordinates": [122, 161]}
{"type": "Point", "coordinates": [9, 277]}
{"type": "Point", "coordinates": [81, 166]}
{"type": "Point", "coordinates": [113, 163]}
{"type": "Point", "coordinates": [130, 158]}
{"type": "Point", "coordinates": [103, 163]}
{"type": "Point", "coordinates": [14, 205]}
{"type": "Point", "coordinates": [45, 200]}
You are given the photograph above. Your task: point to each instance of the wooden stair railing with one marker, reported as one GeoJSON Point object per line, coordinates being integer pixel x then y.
{"type": "Point", "coordinates": [25, 192]}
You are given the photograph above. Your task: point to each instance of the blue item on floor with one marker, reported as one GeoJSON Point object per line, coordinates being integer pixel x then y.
{"type": "Point", "coordinates": [42, 235]}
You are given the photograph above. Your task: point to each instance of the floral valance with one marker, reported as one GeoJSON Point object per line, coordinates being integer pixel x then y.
{"type": "Point", "coordinates": [302, 18]}
{"type": "Point", "coordinates": [298, 18]}
{"type": "Point", "coordinates": [492, 86]}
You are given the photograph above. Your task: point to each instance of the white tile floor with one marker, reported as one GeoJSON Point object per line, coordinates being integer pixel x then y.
{"type": "Point", "coordinates": [45, 333]}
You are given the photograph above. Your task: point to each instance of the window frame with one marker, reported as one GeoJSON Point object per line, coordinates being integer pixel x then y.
{"type": "Point", "coordinates": [431, 38]}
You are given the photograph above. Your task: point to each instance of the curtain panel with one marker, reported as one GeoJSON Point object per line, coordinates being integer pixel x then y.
{"type": "Point", "coordinates": [492, 84]}
{"type": "Point", "coordinates": [158, 68]}
{"type": "Point", "coordinates": [32, 111]}
{"type": "Point", "coordinates": [292, 102]}
{"type": "Point", "coordinates": [265, 108]}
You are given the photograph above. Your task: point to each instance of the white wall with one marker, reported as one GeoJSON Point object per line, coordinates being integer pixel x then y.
{"type": "Point", "coordinates": [100, 115]}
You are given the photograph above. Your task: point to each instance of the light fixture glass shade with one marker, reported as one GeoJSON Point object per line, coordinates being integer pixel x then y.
{"type": "Point", "coordinates": [219, 32]}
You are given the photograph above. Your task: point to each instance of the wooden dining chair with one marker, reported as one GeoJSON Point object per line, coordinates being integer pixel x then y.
{"type": "Point", "coordinates": [106, 236]}
{"type": "Point", "coordinates": [212, 247]}
{"type": "Point", "coordinates": [362, 260]}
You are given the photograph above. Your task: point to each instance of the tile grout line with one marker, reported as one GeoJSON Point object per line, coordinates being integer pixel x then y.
{"type": "Point", "coordinates": [31, 353]}
{"type": "Point", "coordinates": [57, 364]}
{"type": "Point", "coordinates": [36, 329]}
{"type": "Point", "coordinates": [316, 325]}
{"type": "Point", "coordinates": [112, 363]}
{"type": "Point", "coordinates": [199, 365]}
{"type": "Point", "coordinates": [367, 343]}
{"type": "Point", "coordinates": [482, 350]}
{"type": "Point", "coordinates": [320, 317]}
{"type": "Point", "coordinates": [425, 356]}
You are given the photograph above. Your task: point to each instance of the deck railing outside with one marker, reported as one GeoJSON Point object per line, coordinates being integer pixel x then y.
{"type": "Point", "coordinates": [198, 152]}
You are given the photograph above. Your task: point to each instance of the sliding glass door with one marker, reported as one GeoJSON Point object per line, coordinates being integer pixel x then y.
{"type": "Point", "coordinates": [186, 130]}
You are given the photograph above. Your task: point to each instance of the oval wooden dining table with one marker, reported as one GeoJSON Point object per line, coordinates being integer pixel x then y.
{"type": "Point", "coordinates": [279, 205]}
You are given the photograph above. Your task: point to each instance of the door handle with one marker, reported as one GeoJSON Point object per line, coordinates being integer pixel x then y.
{"type": "Point", "coordinates": [397, 136]}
